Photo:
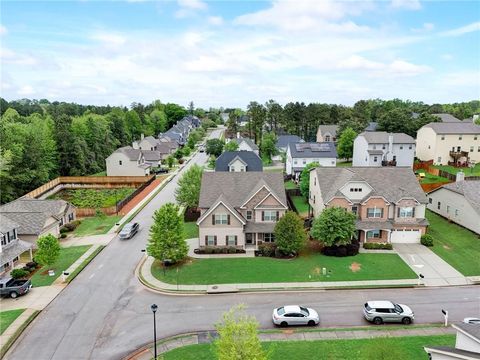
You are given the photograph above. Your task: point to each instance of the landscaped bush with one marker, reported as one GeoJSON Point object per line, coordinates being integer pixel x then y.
{"type": "Point", "coordinates": [232, 249]}
{"type": "Point", "coordinates": [63, 235]}
{"type": "Point", "coordinates": [27, 269]}
{"type": "Point", "coordinates": [181, 161]}
{"type": "Point", "coordinates": [279, 253]}
{"type": "Point", "coordinates": [377, 246]}
{"type": "Point", "coordinates": [208, 250]}
{"type": "Point", "coordinates": [427, 240]}
{"type": "Point", "coordinates": [72, 225]}
{"type": "Point", "coordinates": [267, 249]}
{"type": "Point", "coordinates": [342, 250]}
{"type": "Point", "coordinates": [63, 229]}
{"type": "Point", "coordinates": [32, 264]}
{"type": "Point", "coordinates": [19, 273]}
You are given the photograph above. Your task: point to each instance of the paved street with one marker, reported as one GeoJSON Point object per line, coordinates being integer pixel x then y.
{"type": "Point", "coordinates": [105, 312]}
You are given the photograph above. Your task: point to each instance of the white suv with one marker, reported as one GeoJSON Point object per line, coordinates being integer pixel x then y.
{"type": "Point", "coordinates": [380, 312]}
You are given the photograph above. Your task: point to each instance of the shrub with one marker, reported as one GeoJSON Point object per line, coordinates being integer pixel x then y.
{"type": "Point", "coordinates": [63, 235]}
{"type": "Point", "coordinates": [377, 246]}
{"type": "Point", "coordinates": [76, 222]}
{"type": "Point", "coordinates": [224, 250]}
{"type": "Point", "coordinates": [232, 250]}
{"type": "Point", "coordinates": [26, 268]}
{"type": "Point", "coordinates": [31, 264]}
{"type": "Point", "coordinates": [278, 253]}
{"type": "Point", "coordinates": [63, 230]}
{"type": "Point", "coordinates": [181, 161]}
{"type": "Point", "coordinates": [19, 273]}
{"type": "Point", "coordinates": [342, 250]}
{"type": "Point", "coordinates": [217, 250]}
{"type": "Point", "coordinates": [71, 226]}
{"type": "Point", "coordinates": [208, 250]}
{"type": "Point", "coordinates": [267, 249]}
{"type": "Point", "coordinates": [427, 240]}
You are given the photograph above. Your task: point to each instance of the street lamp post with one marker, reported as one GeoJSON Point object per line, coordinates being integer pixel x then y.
{"type": "Point", "coordinates": [154, 308]}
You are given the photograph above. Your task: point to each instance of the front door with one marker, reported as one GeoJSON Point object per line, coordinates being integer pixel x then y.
{"type": "Point", "coordinates": [249, 238]}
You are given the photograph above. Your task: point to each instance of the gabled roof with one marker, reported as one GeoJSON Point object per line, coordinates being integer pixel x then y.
{"type": "Point", "coordinates": [6, 224]}
{"type": "Point", "coordinates": [313, 150]}
{"type": "Point", "coordinates": [152, 155]}
{"type": "Point", "coordinates": [249, 142]}
{"type": "Point", "coordinates": [447, 118]}
{"type": "Point", "coordinates": [372, 126]}
{"type": "Point", "coordinates": [252, 160]}
{"type": "Point", "coordinates": [129, 152]}
{"type": "Point", "coordinates": [284, 140]}
{"type": "Point", "coordinates": [453, 128]}
{"type": "Point", "coordinates": [224, 201]}
{"type": "Point", "coordinates": [469, 189]}
{"type": "Point", "coordinates": [472, 330]}
{"type": "Point", "coordinates": [236, 187]}
{"type": "Point", "coordinates": [392, 183]}
{"type": "Point", "coordinates": [381, 137]}
{"type": "Point", "coordinates": [332, 129]}
{"type": "Point", "coordinates": [150, 139]}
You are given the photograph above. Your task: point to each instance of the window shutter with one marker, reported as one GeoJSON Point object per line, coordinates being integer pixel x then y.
{"type": "Point", "coordinates": [236, 240]}
{"type": "Point", "coordinates": [206, 240]}
{"type": "Point", "coordinates": [278, 215]}
{"type": "Point", "coordinates": [381, 213]}
{"type": "Point", "coordinates": [228, 219]}
{"type": "Point", "coordinates": [398, 212]}
{"type": "Point", "coordinates": [215, 240]}
{"type": "Point", "coordinates": [213, 219]}
{"type": "Point", "coordinates": [263, 215]}
{"type": "Point", "coordinates": [413, 212]}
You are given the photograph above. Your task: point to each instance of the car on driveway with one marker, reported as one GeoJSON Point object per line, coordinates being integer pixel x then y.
{"type": "Point", "coordinates": [383, 311]}
{"type": "Point", "coordinates": [295, 315]}
{"type": "Point", "coordinates": [201, 148]}
{"type": "Point", "coordinates": [14, 287]}
{"type": "Point", "coordinates": [128, 231]}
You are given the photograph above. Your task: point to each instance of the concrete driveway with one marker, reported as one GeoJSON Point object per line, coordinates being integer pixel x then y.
{"type": "Point", "coordinates": [423, 261]}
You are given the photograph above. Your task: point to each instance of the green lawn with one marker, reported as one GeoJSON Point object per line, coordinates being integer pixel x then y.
{"type": "Point", "coordinates": [455, 244]}
{"type": "Point", "coordinates": [8, 317]}
{"type": "Point", "coordinates": [453, 170]}
{"type": "Point", "coordinates": [190, 229]}
{"type": "Point", "coordinates": [273, 169]}
{"type": "Point", "coordinates": [359, 349]}
{"type": "Point", "coordinates": [67, 257]}
{"type": "Point", "coordinates": [96, 225]}
{"type": "Point", "coordinates": [290, 185]}
{"type": "Point", "coordinates": [269, 270]}
{"type": "Point", "coordinates": [344, 164]}
{"type": "Point", "coordinates": [301, 205]}
{"type": "Point", "coordinates": [101, 173]}
{"type": "Point", "coordinates": [429, 178]}
{"type": "Point", "coordinates": [93, 198]}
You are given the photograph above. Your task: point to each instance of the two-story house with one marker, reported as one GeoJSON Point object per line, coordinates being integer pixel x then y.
{"type": "Point", "coordinates": [240, 208]}
{"type": "Point", "coordinates": [11, 247]}
{"type": "Point", "coordinates": [327, 133]}
{"type": "Point", "coordinates": [449, 143]}
{"type": "Point", "coordinates": [301, 154]}
{"type": "Point", "coordinates": [388, 201]}
{"type": "Point", "coordinates": [127, 161]}
{"type": "Point", "coordinates": [246, 144]}
{"type": "Point", "coordinates": [379, 148]}
{"type": "Point", "coordinates": [238, 161]}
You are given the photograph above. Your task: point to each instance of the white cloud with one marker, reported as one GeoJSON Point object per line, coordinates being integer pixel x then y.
{"type": "Point", "coordinates": [3, 30]}
{"type": "Point", "coordinates": [463, 30]}
{"type": "Point", "coordinates": [406, 4]}
{"type": "Point", "coordinates": [425, 28]}
{"type": "Point", "coordinates": [215, 20]}
{"type": "Point", "coordinates": [447, 57]}
{"type": "Point", "coordinates": [395, 68]}
{"type": "Point", "coordinates": [109, 38]}
{"type": "Point", "coordinates": [192, 4]}
{"type": "Point", "coordinates": [25, 90]}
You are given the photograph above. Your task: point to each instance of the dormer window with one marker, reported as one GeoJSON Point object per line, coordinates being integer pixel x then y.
{"type": "Point", "coordinates": [460, 137]}
{"type": "Point", "coordinates": [442, 137]}
{"type": "Point", "coordinates": [119, 162]}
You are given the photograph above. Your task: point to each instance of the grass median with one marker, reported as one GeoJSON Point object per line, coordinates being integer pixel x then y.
{"type": "Point", "coordinates": [96, 225]}
{"type": "Point", "coordinates": [8, 317]}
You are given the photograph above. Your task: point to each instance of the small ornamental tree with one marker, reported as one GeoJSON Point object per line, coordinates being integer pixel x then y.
{"type": "Point", "coordinates": [167, 239]}
{"type": "Point", "coordinates": [187, 192]}
{"type": "Point", "coordinates": [269, 148]}
{"type": "Point", "coordinates": [305, 179]}
{"type": "Point", "coordinates": [238, 337]}
{"type": "Point", "coordinates": [214, 147]}
{"type": "Point", "coordinates": [290, 235]}
{"type": "Point", "coordinates": [345, 143]}
{"type": "Point", "coordinates": [48, 250]}
{"type": "Point", "coordinates": [231, 146]}
{"type": "Point", "coordinates": [334, 227]}
{"type": "Point", "coordinates": [170, 161]}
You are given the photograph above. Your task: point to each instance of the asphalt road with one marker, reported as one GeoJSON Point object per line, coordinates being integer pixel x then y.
{"type": "Point", "coordinates": [105, 312]}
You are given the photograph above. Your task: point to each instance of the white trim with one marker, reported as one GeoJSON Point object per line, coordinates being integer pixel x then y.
{"type": "Point", "coordinates": [200, 220]}
{"type": "Point", "coordinates": [237, 158]}
{"type": "Point", "coordinates": [407, 198]}
{"type": "Point", "coordinates": [466, 333]}
{"type": "Point", "coordinates": [270, 192]}
{"type": "Point", "coordinates": [265, 198]}
{"type": "Point", "coordinates": [448, 353]}
{"type": "Point", "coordinates": [375, 197]}
{"type": "Point", "coordinates": [339, 197]}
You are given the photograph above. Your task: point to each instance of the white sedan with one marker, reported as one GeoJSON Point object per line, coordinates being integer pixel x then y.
{"type": "Point", "coordinates": [295, 315]}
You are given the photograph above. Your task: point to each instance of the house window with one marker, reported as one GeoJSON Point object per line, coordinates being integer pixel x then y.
{"type": "Point", "coordinates": [355, 209]}
{"type": "Point", "coordinates": [231, 240]}
{"type": "Point", "coordinates": [478, 149]}
{"type": "Point", "coordinates": [3, 240]}
{"type": "Point", "coordinates": [249, 214]}
{"type": "Point", "coordinates": [210, 240]}
{"type": "Point", "coordinates": [401, 147]}
{"type": "Point", "coordinates": [443, 137]}
{"type": "Point", "coordinates": [314, 199]}
{"type": "Point", "coordinates": [61, 221]}
{"type": "Point", "coordinates": [327, 138]}
{"type": "Point", "coordinates": [268, 237]}
{"type": "Point", "coordinates": [374, 212]}
{"type": "Point", "coordinates": [410, 147]}
{"type": "Point", "coordinates": [221, 219]}
{"type": "Point", "coordinates": [405, 212]}
{"type": "Point", "coordinates": [269, 215]}
{"type": "Point", "coordinates": [295, 162]}
{"type": "Point", "coordinates": [375, 234]}
{"type": "Point", "coordinates": [314, 181]}
{"type": "Point", "coordinates": [475, 137]}
{"type": "Point", "coordinates": [448, 209]}
{"type": "Point", "coordinates": [375, 159]}
{"type": "Point", "coordinates": [429, 200]}
{"type": "Point", "coordinates": [439, 159]}
{"type": "Point", "coordinates": [456, 212]}
{"type": "Point", "coordinates": [439, 205]}
{"type": "Point", "coordinates": [119, 162]}
{"type": "Point", "coordinates": [232, 168]}
{"type": "Point", "coordinates": [459, 137]}
{"type": "Point", "coordinates": [70, 217]}
{"type": "Point", "coordinates": [471, 148]}
{"type": "Point", "coordinates": [374, 147]}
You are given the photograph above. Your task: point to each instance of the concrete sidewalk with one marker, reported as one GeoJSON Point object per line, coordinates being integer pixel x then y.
{"type": "Point", "coordinates": [147, 278]}
{"type": "Point", "coordinates": [206, 337]}
{"type": "Point", "coordinates": [424, 261]}
{"type": "Point", "coordinates": [14, 326]}
{"type": "Point", "coordinates": [102, 239]}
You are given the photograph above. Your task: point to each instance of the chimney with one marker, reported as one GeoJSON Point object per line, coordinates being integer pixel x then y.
{"type": "Point", "coordinates": [390, 143]}
{"type": "Point", "coordinates": [238, 134]}
{"type": "Point", "coordinates": [460, 176]}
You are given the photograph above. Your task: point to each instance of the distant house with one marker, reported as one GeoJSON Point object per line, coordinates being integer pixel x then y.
{"type": "Point", "coordinates": [238, 161]}
{"type": "Point", "coordinates": [467, 344]}
{"type": "Point", "coordinates": [449, 143]}
{"type": "Point", "coordinates": [146, 143]}
{"type": "Point", "coordinates": [458, 202]}
{"type": "Point", "coordinates": [327, 133]}
{"type": "Point", "coordinates": [246, 144]}
{"type": "Point", "coordinates": [127, 161]}
{"type": "Point", "coordinates": [447, 118]}
{"type": "Point", "coordinates": [243, 120]}
{"type": "Point", "coordinates": [11, 247]}
{"type": "Point", "coordinates": [388, 201]}
{"type": "Point", "coordinates": [240, 209]}
{"type": "Point", "coordinates": [36, 217]}
{"type": "Point", "coordinates": [372, 126]}
{"type": "Point", "coordinates": [301, 154]}
{"type": "Point", "coordinates": [284, 140]}
{"type": "Point", "coordinates": [379, 148]}
{"type": "Point", "coordinates": [154, 149]}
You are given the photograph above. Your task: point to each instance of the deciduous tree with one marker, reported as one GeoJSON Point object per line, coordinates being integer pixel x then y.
{"type": "Point", "coordinates": [48, 250]}
{"type": "Point", "coordinates": [231, 146]}
{"type": "Point", "coordinates": [290, 235]}
{"type": "Point", "coordinates": [345, 143]}
{"type": "Point", "coordinates": [305, 179]}
{"type": "Point", "coordinates": [187, 192]}
{"type": "Point", "coordinates": [334, 226]}
{"type": "Point", "coordinates": [214, 147]}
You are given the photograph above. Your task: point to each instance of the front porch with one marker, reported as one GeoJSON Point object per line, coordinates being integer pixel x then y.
{"type": "Point", "coordinates": [374, 231]}
{"type": "Point", "coordinates": [10, 255]}
{"type": "Point", "coordinates": [460, 158]}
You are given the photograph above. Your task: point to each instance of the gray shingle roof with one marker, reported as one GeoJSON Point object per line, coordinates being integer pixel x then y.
{"type": "Point", "coordinates": [393, 183]}
{"type": "Point", "coordinates": [451, 350]}
{"type": "Point", "coordinates": [304, 150]}
{"type": "Point", "coordinates": [131, 153]}
{"type": "Point", "coordinates": [152, 155]}
{"type": "Point", "coordinates": [381, 137]}
{"type": "Point", "coordinates": [372, 126]}
{"type": "Point", "coordinates": [284, 140]}
{"type": "Point", "coordinates": [28, 223]}
{"type": "Point", "coordinates": [447, 118]}
{"type": "Point", "coordinates": [454, 128]}
{"type": "Point", "coordinates": [13, 250]}
{"type": "Point", "coordinates": [332, 129]}
{"type": "Point", "coordinates": [250, 142]}
{"type": "Point", "coordinates": [253, 161]}
{"type": "Point", "coordinates": [6, 224]}
{"type": "Point", "coordinates": [237, 187]}
{"type": "Point", "coordinates": [470, 189]}
{"type": "Point", "coordinates": [471, 329]}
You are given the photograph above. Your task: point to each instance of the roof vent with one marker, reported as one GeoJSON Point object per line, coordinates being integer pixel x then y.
{"type": "Point", "coordinates": [460, 176]}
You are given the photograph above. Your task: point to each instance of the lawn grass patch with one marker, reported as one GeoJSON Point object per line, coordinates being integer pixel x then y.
{"type": "Point", "coordinates": [190, 230]}
{"type": "Point", "coordinates": [4, 348]}
{"type": "Point", "coordinates": [96, 225]}
{"type": "Point", "coordinates": [101, 173]}
{"type": "Point", "coordinates": [409, 347]}
{"type": "Point", "coordinates": [85, 262]}
{"type": "Point", "coordinates": [93, 198]}
{"type": "Point", "coordinates": [344, 164]}
{"type": "Point", "coordinates": [8, 317]}
{"type": "Point", "coordinates": [290, 184]}
{"type": "Point", "coordinates": [301, 205]}
{"type": "Point", "coordinates": [305, 268]}
{"type": "Point", "coordinates": [430, 179]}
{"type": "Point", "coordinates": [453, 170]}
{"type": "Point", "coordinates": [456, 245]}
{"type": "Point", "coordinates": [67, 257]}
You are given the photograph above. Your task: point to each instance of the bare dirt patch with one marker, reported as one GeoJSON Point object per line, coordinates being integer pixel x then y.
{"type": "Point", "coordinates": [288, 332]}
{"type": "Point", "coordinates": [355, 267]}
{"type": "Point", "coordinates": [446, 247]}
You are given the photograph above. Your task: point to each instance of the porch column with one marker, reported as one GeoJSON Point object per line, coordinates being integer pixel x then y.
{"type": "Point", "coordinates": [31, 254]}
{"type": "Point", "coordinates": [389, 236]}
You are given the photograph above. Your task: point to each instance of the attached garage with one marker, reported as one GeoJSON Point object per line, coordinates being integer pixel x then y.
{"type": "Point", "coordinates": [405, 236]}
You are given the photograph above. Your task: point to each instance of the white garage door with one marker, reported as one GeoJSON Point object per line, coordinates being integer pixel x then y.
{"type": "Point", "coordinates": [405, 236]}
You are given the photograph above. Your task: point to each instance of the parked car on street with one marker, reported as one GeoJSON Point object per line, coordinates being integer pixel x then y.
{"type": "Point", "coordinates": [472, 320]}
{"type": "Point", "coordinates": [201, 148]}
{"type": "Point", "coordinates": [160, 170]}
{"type": "Point", "coordinates": [128, 231]}
{"type": "Point", "coordinates": [380, 312]}
{"type": "Point", "coordinates": [295, 315]}
{"type": "Point", "coordinates": [14, 288]}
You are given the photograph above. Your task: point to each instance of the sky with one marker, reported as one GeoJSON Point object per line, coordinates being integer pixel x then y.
{"type": "Point", "coordinates": [228, 53]}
